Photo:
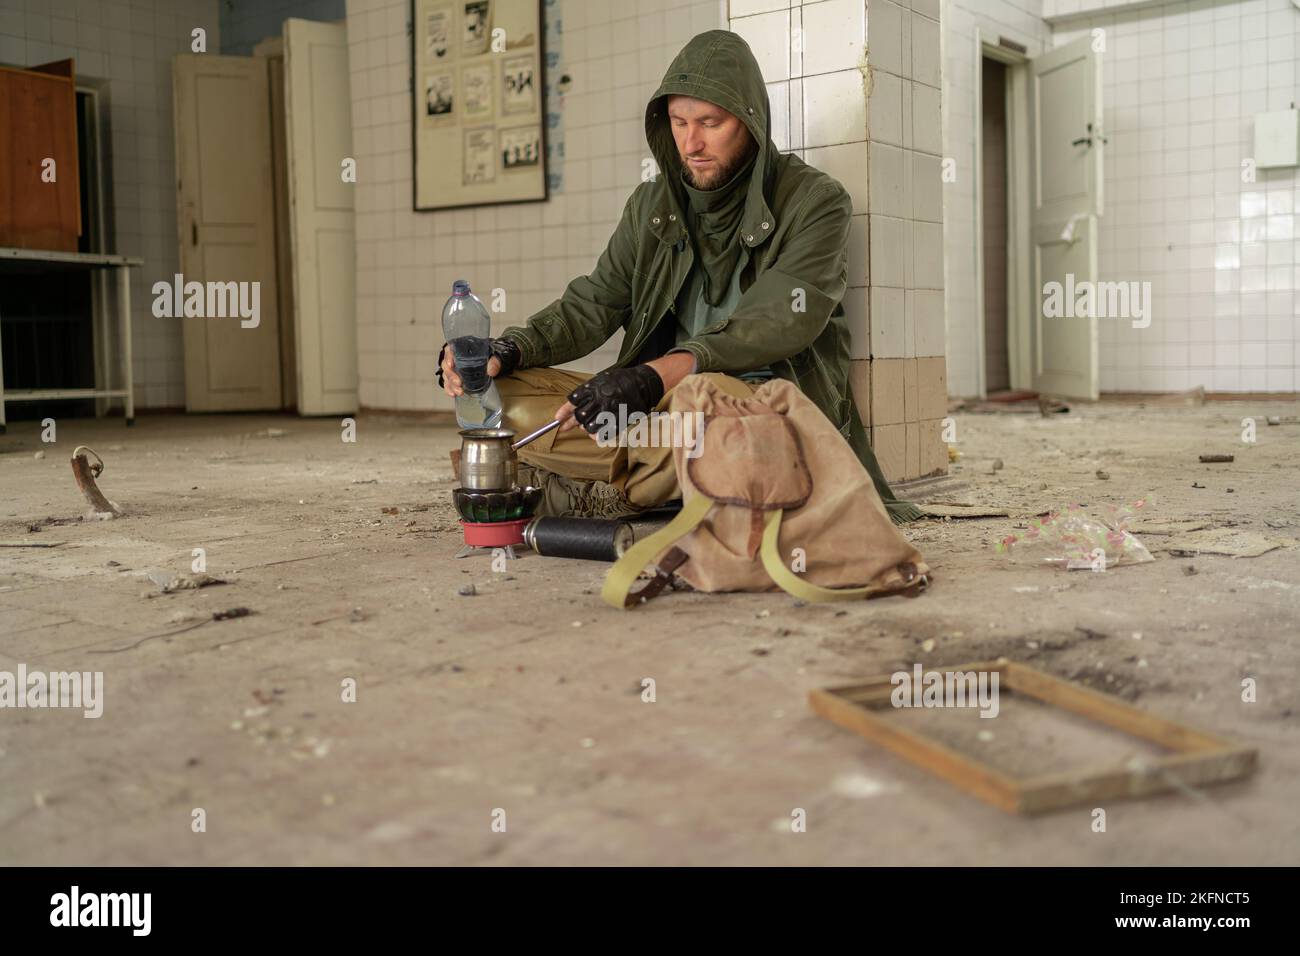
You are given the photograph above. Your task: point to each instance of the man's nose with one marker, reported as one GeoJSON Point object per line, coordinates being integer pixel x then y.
{"type": "Point", "coordinates": [694, 141]}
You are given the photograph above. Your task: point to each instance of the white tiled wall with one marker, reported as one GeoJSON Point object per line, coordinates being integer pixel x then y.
{"type": "Point", "coordinates": [1022, 22]}
{"type": "Point", "coordinates": [130, 43]}
{"type": "Point", "coordinates": [872, 121]}
{"type": "Point", "coordinates": [616, 54]}
{"type": "Point", "coordinates": [1057, 9]}
{"type": "Point", "coordinates": [1182, 85]}
{"type": "Point", "coordinates": [813, 58]}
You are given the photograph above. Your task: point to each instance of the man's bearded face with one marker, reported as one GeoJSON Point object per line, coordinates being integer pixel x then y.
{"type": "Point", "coordinates": [711, 142]}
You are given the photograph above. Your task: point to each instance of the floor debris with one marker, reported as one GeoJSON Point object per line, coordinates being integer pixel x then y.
{"type": "Point", "coordinates": [168, 582]}
{"type": "Point", "coordinates": [1225, 541]}
{"type": "Point", "coordinates": [963, 511]}
{"type": "Point", "coordinates": [1153, 526]}
{"type": "Point", "coordinates": [231, 613]}
{"type": "Point", "coordinates": [85, 475]}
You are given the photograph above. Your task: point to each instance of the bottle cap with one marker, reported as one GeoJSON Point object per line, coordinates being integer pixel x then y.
{"type": "Point", "coordinates": [460, 287]}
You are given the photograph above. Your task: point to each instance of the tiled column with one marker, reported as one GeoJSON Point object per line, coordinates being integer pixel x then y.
{"type": "Point", "coordinates": [854, 87]}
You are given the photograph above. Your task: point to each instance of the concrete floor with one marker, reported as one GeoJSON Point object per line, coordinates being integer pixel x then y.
{"type": "Point", "coordinates": [526, 698]}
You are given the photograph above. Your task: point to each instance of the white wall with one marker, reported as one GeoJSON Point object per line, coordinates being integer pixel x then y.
{"type": "Point", "coordinates": [616, 55]}
{"type": "Point", "coordinates": [1183, 82]}
{"type": "Point", "coordinates": [131, 45]}
{"type": "Point", "coordinates": [1018, 20]}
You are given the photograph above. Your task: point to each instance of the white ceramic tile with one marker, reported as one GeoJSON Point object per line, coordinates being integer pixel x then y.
{"type": "Point", "coordinates": [905, 43]}
{"type": "Point", "coordinates": [928, 320]}
{"type": "Point", "coordinates": [778, 97]}
{"type": "Point", "coordinates": [857, 314]}
{"type": "Point", "coordinates": [796, 115]}
{"type": "Point", "coordinates": [846, 163]}
{"type": "Point", "coordinates": [745, 8]}
{"type": "Point", "coordinates": [887, 322]}
{"type": "Point", "coordinates": [891, 251]}
{"type": "Point", "coordinates": [833, 32]}
{"type": "Point", "coordinates": [768, 36]}
{"type": "Point", "coordinates": [909, 325]}
{"type": "Point", "coordinates": [926, 60]}
{"type": "Point", "coordinates": [906, 87]}
{"type": "Point", "coordinates": [927, 188]}
{"type": "Point", "coordinates": [885, 35]}
{"type": "Point", "coordinates": [885, 108]}
{"type": "Point", "coordinates": [859, 272]}
{"type": "Point", "coordinates": [834, 109]}
{"type": "Point", "coordinates": [796, 40]}
{"type": "Point", "coordinates": [889, 194]}
{"type": "Point", "coordinates": [927, 124]}
{"type": "Point", "coordinates": [928, 255]}
{"type": "Point", "coordinates": [929, 8]}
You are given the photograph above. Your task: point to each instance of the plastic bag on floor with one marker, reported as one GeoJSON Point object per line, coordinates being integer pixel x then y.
{"type": "Point", "coordinates": [1074, 540]}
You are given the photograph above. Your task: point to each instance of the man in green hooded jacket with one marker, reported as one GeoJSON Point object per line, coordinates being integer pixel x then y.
{"type": "Point", "coordinates": [731, 262]}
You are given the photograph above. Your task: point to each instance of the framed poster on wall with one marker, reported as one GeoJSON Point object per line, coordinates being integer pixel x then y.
{"type": "Point", "coordinates": [478, 130]}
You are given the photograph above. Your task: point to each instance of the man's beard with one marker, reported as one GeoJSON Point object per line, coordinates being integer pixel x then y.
{"type": "Point", "coordinates": [717, 174]}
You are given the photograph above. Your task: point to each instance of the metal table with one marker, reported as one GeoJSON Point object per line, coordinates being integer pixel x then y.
{"type": "Point", "coordinates": [35, 261]}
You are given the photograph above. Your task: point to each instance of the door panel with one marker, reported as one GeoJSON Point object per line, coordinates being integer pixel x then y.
{"type": "Point", "coordinates": [1065, 360]}
{"type": "Point", "coordinates": [1066, 87]}
{"type": "Point", "coordinates": [317, 107]}
{"type": "Point", "coordinates": [1067, 189]}
{"type": "Point", "coordinates": [225, 216]}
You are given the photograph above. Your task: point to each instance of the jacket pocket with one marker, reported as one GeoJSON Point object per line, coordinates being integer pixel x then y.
{"type": "Point", "coordinates": [717, 326]}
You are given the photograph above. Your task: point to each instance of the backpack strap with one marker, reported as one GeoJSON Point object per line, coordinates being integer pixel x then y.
{"type": "Point", "coordinates": [804, 590]}
{"type": "Point", "coordinates": [617, 590]}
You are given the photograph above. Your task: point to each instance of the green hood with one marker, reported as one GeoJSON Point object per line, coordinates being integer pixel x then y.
{"type": "Point", "coordinates": [718, 66]}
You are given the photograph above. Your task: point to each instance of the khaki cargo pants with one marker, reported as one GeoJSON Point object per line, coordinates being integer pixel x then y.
{"type": "Point", "coordinates": [645, 475]}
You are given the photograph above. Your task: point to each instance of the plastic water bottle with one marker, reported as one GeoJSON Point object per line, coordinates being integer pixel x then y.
{"type": "Point", "coordinates": [466, 326]}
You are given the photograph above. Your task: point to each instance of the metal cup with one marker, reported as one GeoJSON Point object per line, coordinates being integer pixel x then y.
{"type": "Point", "coordinates": [487, 462]}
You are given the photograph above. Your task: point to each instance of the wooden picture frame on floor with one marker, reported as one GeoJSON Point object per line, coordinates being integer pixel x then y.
{"type": "Point", "coordinates": [1197, 758]}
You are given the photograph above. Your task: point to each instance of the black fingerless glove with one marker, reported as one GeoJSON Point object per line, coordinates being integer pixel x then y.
{"type": "Point", "coordinates": [508, 354]}
{"type": "Point", "coordinates": [639, 388]}
{"type": "Point", "coordinates": [506, 350]}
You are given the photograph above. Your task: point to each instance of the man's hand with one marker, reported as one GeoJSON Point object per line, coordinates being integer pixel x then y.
{"type": "Point", "coordinates": [671, 369]}
{"type": "Point", "coordinates": [504, 360]}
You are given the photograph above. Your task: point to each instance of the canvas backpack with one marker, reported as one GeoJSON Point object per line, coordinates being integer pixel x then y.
{"type": "Point", "coordinates": [774, 497]}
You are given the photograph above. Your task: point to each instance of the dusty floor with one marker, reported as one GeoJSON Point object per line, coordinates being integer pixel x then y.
{"type": "Point", "coordinates": [527, 697]}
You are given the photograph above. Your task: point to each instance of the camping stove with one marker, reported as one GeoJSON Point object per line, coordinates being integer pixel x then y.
{"type": "Point", "coordinates": [494, 519]}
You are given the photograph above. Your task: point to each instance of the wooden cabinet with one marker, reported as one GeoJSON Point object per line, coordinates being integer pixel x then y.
{"type": "Point", "coordinates": [38, 122]}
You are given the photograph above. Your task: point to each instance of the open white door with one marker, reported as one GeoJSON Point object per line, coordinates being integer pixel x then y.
{"type": "Point", "coordinates": [1067, 184]}
{"type": "Point", "coordinates": [318, 111]}
{"type": "Point", "coordinates": [225, 215]}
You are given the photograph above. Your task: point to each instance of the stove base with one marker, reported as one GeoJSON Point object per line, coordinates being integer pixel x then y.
{"type": "Point", "coordinates": [494, 534]}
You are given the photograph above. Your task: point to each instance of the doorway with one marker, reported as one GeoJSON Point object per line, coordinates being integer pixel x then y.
{"type": "Point", "coordinates": [1003, 204]}
{"type": "Point", "coordinates": [1037, 195]}
{"type": "Point", "coordinates": [994, 201]}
